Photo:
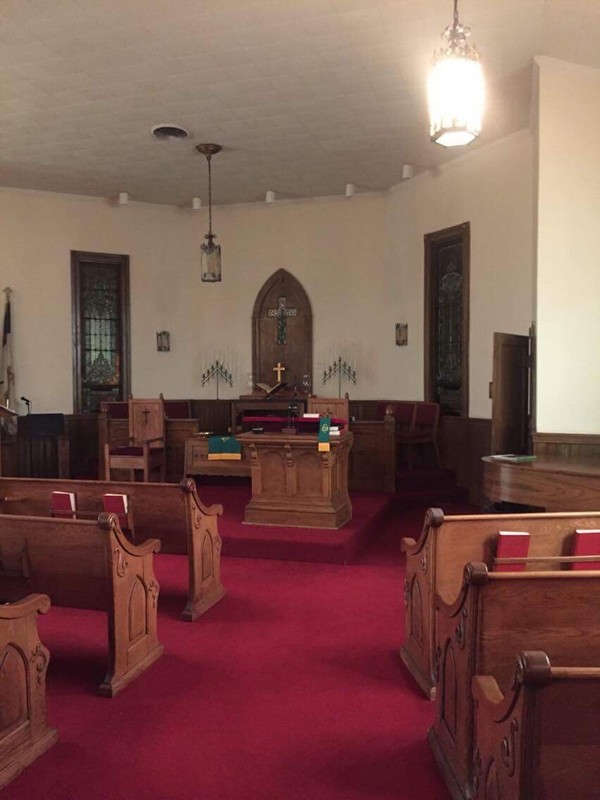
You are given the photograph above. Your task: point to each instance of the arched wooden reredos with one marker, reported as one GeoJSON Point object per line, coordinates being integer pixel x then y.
{"type": "Point", "coordinates": [282, 331]}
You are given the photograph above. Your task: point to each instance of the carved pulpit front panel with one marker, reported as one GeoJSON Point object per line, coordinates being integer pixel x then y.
{"type": "Point", "coordinates": [282, 332]}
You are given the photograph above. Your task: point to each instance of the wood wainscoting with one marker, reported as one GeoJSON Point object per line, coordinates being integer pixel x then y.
{"type": "Point", "coordinates": [463, 441]}
{"type": "Point", "coordinates": [578, 446]}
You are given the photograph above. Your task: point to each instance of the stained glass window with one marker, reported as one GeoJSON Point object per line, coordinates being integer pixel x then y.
{"type": "Point", "coordinates": [101, 306]}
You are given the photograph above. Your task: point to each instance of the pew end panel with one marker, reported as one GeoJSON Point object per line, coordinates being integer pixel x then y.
{"type": "Point", "coordinates": [132, 609]}
{"type": "Point", "coordinates": [204, 553]}
{"type": "Point", "coordinates": [541, 739]}
{"type": "Point", "coordinates": [419, 582]}
{"type": "Point", "coordinates": [435, 564]}
{"type": "Point", "coordinates": [496, 616]}
{"type": "Point", "coordinates": [92, 565]}
{"type": "Point", "coordinates": [24, 732]}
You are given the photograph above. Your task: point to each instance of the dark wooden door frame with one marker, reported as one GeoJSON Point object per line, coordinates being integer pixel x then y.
{"type": "Point", "coordinates": [432, 243]}
{"type": "Point", "coordinates": [78, 258]}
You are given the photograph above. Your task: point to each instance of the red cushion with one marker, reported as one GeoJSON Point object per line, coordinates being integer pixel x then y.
{"type": "Point", "coordinates": [127, 450]}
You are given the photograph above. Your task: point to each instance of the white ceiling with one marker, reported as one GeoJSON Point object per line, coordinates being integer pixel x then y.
{"type": "Point", "coordinates": [304, 95]}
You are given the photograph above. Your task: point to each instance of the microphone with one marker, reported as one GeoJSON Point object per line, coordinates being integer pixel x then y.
{"type": "Point", "coordinates": [25, 400]}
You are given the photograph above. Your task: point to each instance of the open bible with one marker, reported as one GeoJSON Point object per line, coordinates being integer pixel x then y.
{"type": "Point", "coordinates": [269, 390]}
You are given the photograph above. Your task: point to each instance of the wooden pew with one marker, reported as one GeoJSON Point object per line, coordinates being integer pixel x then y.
{"type": "Point", "coordinates": [495, 617]}
{"type": "Point", "coordinates": [170, 512]}
{"type": "Point", "coordinates": [436, 561]}
{"type": "Point", "coordinates": [541, 739]}
{"type": "Point", "coordinates": [24, 732]}
{"type": "Point", "coordinates": [85, 564]}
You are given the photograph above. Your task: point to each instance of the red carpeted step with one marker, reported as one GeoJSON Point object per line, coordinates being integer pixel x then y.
{"type": "Point", "coordinates": [339, 546]}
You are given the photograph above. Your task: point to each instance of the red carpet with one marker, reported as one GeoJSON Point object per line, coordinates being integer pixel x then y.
{"type": "Point", "coordinates": [295, 544]}
{"type": "Point", "coordinates": [289, 689]}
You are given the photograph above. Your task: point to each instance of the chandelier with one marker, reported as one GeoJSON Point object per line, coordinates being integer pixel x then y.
{"type": "Point", "coordinates": [456, 88]}
{"type": "Point", "coordinates": [210, 253]}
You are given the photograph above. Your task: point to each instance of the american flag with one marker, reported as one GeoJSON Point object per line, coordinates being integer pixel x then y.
{"type": "Point", "coordinates": [7, 375]}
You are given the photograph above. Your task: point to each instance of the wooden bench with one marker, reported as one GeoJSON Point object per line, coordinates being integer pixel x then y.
{"type": "Point", "coordinates": [170, 512]}
{"type": "Point", "coordinates": [24, 732]}
{"type": "Point", "coordinates": [92, 565]}
{"type": "Point", "coordinates": [495, 617]}
{"type": "Point", "coordinates": [197, 461]}
{"type": "Point", "coordinates": [436, 561]}
{"type": "Point", "coordinates": [540, 739]}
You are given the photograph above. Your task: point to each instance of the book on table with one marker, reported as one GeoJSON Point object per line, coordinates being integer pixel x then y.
{"type": "Point", "coordinates": [586, 543]}
{"type": "Point", "coordinates": [515, 458]}
{"type": "Point", "coordinates": [511, 544]}
{"type": "Point", "coordinates": [63, 504]}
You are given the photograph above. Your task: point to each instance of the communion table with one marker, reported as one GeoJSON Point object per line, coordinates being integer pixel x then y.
{"type": "Point", "coordinates": [293, 484]}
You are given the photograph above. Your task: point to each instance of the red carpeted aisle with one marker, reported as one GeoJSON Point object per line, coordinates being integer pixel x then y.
{"type": "Point", "coordinates": [289, 689]}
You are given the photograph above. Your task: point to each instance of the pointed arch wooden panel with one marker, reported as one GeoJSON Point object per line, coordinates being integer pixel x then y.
{"type": "Point", "coordinates": [282, 331]}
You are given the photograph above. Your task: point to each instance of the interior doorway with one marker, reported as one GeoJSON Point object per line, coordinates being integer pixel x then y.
{"type": "Point", "coordinates": [511, 393]}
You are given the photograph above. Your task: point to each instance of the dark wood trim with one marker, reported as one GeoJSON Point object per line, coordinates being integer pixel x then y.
{"type": "Point", "coordinates": [78, 258]}
{"type": "Point", "coordinates": [432, 241]}
{"type": "Point", "coordinates": [567, 438]}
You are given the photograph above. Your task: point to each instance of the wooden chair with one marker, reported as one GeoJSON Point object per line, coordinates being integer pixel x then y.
{"type": "Point", "coordinates": [333, 406]}
{"type": "Point", "coordinates": [422, 430]}
{"type": "Point", "coordinates": [146, 449]}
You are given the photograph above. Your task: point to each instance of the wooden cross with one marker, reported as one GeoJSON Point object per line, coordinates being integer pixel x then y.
{"type": "Point", "coordinates": [279, 369]}
{"type": "Point", "coordinates": [146, 413]}
{"type": "Point", "coordinates": [281, 313]}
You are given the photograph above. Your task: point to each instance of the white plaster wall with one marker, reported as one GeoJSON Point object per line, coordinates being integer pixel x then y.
{"type": "Point", "coordinates": [492, 188]}
{"type": "Point", "coordinates": [568, 268]}
{"type": "Point", "coordinates": [333, 246]}
{"type": "Point", "coordinates": [360, 261]}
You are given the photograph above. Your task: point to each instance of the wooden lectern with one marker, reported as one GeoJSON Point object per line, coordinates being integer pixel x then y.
{"type": "Point", "coordinates": [4, 413]}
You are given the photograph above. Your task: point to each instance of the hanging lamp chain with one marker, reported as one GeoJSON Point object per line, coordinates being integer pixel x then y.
{"type": "Point", "coordinates": [210, 233]}
{"type": "Point", "coordinates": [455, 38]}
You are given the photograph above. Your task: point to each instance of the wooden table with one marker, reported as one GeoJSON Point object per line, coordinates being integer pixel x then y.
{"type": "Point", "coordinates": [551, 484]}
{"type": "Point", "coordinates": [293, 484]}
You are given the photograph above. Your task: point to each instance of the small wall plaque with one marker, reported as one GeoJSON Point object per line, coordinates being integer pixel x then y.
{"type": "Point", "coordinates": [402, 334]}
{"type": "Point", "coordinates": [163, 341]}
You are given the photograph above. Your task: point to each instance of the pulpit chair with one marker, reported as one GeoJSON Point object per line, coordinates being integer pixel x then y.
{"type": "Point", "coordinates": [329, 406]}
{"type": "Point", "coordinates": [422, 430]}
{"type": "Point", "coordinates": [146, 448]}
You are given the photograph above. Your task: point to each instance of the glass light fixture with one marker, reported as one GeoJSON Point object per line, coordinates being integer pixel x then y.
{"type": "Point", "coordinates": [456, 88]}
{"type": "Point", "coordinates": [210, 253]}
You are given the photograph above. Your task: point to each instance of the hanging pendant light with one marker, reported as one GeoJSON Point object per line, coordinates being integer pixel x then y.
{"type": "Point", "coordinates": [456, 88]}
{"type": "Point", "coordinates": [210, 253]}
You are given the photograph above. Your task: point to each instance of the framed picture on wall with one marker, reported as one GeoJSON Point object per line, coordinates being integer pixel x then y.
{"type": "Point", "coordinates": [401, 334]}
{"type": "Point", "coordinates": [163, 341]}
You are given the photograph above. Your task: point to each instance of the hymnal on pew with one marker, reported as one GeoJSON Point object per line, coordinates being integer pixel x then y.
{"type": "Point", "coordinates": [511, 544]}
{"type": "Point", "coordinates": [117, 504]}
{"type": "Point", "coordinates": [587, 543]}
{"type": "Point", "coordinates": [63, 504]}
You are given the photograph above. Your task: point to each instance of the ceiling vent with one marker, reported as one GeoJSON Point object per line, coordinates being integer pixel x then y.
{"type": "Point", "coordinates": [169, 132]}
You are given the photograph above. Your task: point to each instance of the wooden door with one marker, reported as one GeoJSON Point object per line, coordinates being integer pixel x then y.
{"type": "Point", "coordinates": [510, 394]}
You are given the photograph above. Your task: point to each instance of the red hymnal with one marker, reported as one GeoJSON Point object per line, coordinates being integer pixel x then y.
{"type": "Point", "coordinates": [512, 544]}
{"type": "Point", "coordinates": [63, 504]}
{"type": "Point", "coordinates": [117, 504]}
{"type": "Point", "coordinates": [587, 543]}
